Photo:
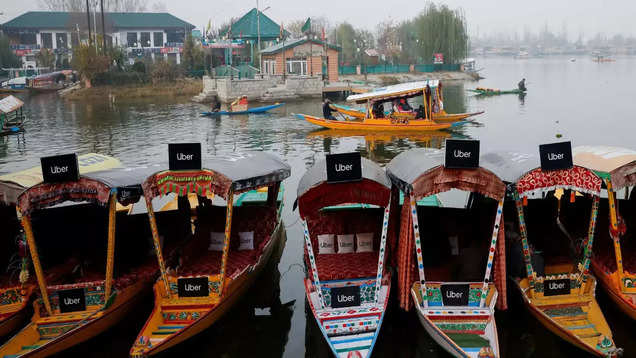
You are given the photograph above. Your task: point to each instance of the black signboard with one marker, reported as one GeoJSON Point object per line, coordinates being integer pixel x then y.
{"type": "Point", "coordinates": [556, 156]}
{"type": "Point", "coordinates": [60, 168]}
{"type": "Point", "coordinates": [348, 296]}
{"type": "Point", "coordinates": [344, 167]}
{"type": "Point", "coordinates": [462, 154]}
{"type": "Point", "coordinates": [455, 294]}
{"type": "Point", "coordinates": [193, 287]}
{"type": "Point", "coordinates": [72, 300]}
{"type": "Point", "coordinates": [184, 156]}
{"type": "Point", "coordinates": [556, 287]}
{"type": "Point", "coordinates": [129, 194]}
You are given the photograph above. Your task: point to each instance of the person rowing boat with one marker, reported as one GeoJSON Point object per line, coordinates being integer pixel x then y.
{"type": "Point", "coordinates": [522, 85]}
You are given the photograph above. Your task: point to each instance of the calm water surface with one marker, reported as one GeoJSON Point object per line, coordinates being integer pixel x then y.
{"type": "Point", "coordinates": [585, 102]}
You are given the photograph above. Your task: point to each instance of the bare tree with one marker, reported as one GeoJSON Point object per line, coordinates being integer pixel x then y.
{"type": "Point", "coordinates": [159, 6]}
{"type": "Point", "coordinates": [109, 5]}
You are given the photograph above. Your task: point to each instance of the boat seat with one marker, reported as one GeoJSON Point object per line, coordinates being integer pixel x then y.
{"type": "Point", "coordinates": [347, 266]}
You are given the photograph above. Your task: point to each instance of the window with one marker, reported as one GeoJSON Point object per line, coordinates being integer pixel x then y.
{"type": "Point", "coordinates": [175, 36]}
{"type": "Point", "coordinates": [145, 39]}
{"type": "Point", "coordinates": [269, 67]}
{"type": "Point", "coordinates": [27, 38]}
{"type": "Point", "coordinates": [61, 41]}
{"type": "Point", "coordinates": [74, 39]}
{"type": "Point", "coordinates": [158, 37]}
{"type": "Point", "coordinates": [297, 67]}
{"type": "Point", "coordinates": [131, 39]}
{"type": "Point", "coordinates": [47, 39]}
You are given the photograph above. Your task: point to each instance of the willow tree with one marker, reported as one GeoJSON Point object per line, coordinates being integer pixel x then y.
{"type": "Point", "coordinates": [442, 30]}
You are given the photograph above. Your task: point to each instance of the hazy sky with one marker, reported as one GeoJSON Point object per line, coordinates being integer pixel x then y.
{"type": "Point", "coordinates": [484, 16]}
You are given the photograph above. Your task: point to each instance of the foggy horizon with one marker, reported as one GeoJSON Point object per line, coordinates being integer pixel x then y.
{"type": "Point", "coordinates": [484, 18]}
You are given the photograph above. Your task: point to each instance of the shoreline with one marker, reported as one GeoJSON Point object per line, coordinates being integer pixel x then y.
{"type": "Point", "coordinates": [395, 78]}
{"type": "Point", "coordinates": [125, 93]}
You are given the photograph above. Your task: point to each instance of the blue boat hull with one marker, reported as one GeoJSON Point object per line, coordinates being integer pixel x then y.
{"type": "Point", "coordinates": [251, 110]}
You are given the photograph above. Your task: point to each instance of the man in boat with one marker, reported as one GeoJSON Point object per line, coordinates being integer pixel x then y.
{"type": "Point", "coordinates": [326, 110]}
{"type": "Point", "coordinates": [378, 110]}
{"type": "Point", "coordinates": [405, 106]}
{"type": "Point", "coordinates": [522, 85]}
{"type": "Point", "coordinates": [216, 106]}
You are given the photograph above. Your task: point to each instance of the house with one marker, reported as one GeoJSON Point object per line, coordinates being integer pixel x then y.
{"type": "Point", "coordinates": [150, 35]}
{"type": "Point", "coordinates": [302, 57]}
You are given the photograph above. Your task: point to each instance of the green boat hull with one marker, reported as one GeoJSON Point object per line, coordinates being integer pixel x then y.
{"type": "Point", "coordinates": [495, 93]}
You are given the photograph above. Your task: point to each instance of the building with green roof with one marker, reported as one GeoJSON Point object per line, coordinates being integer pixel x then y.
{"type": "Point", "coordinates": [142, 34]}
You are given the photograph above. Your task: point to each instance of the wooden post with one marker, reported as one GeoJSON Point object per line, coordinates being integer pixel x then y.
{"type": "Point", "coordinates": [524, 242]}
{"type": "Point", "coordinates": [418, 251]}
{"type": "Point", "coordinates": [491, 252]}
{"type": "Point", "coordinates": [157, 243]}
{"type": "Point", "coordinates": [312, 263]}
{"type": "Point", "coordinates": [611, 196]}
{"type": "Point", "coordinates": [37, 266]}
{"type": "Point", "coordinates": [226, 241]}
{"type": "Point", "coordinates": [587, 252]}
{"type": "Point", "coordinates": [110, 254]}
{"type": "Point", "coordinates": [385, 226]}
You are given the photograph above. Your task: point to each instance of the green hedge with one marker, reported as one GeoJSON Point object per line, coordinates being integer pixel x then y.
{"type": "Point", "coordinates": [118, 78]}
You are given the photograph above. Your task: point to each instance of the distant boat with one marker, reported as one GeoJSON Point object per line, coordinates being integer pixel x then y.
{"type": "Point", "coordinates": [573, 59]}
{"type": "Point", "coordinates": [481, 91]}
{"type": "Point", "coordinates": [262, 109]}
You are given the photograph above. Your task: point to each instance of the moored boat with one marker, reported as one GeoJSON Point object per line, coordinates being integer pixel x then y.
{"type": "Point", "coordinates": [558, 289]}
{"type": "Point", "coordinates": [347, 285]}
{"type": "Point", "coordinates": [402, 117]}
{"type": "Point", "coordinates": [453, 274]}
{"type": "Point", "coordinates": [481, 91]}
{"type": "Point", "coordinates": [80, 296]}
{"type": "Point", "coordinates": [261, 109]}
{"type": "Point", "coordinates": [11, 115]}
{"type": "Point", "coordinates": [613, 261]}
{"type": "Point", "coordinates": [228, 243]}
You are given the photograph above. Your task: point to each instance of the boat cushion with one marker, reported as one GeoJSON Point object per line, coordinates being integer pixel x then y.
{"type": "Point", "coordinates": [216, 241]}
{"type": "Point", "coordinates": [364, 242]}
{"type": "Point", "coordinates": [345, 244]}
{"type": "Point", "coordinates": [326, 244]}
{"type": "Point", "coordinates": [246, 239]}
{"type": "Point", "coordinates": [347, 266]}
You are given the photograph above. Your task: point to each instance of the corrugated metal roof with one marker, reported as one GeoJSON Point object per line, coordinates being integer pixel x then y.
{"type": "Point", "coordinates": [10, 104]}
{"type": "Point", "coordinates": [63, 20]}
{"type": "Point", "coordinates": [293, 43]}
{"type": "Point", "coordinates": [247, 26]}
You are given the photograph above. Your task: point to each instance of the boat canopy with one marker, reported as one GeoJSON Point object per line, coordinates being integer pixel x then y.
{"type": "Point", "coordinates": [220, 175]}
{"type": "Point", "coordinates": [421, 171]}
{"type": "Point", "coordinates": [508, 165]}
{"type": "Point", "coordinates": [315, 193]}
{"type": "Point", "coordinates": [410, 89]}
{"type": "Point", "coordinates": [576, 178]}
{"type": "Point", "coordinates": [613, 163]}
{"type": "Point", "coordinates": [94, 187]}
{"type": "Point", "coordinates": [10, 104]}
{"type": "Point", "coordinates": [11, 185]}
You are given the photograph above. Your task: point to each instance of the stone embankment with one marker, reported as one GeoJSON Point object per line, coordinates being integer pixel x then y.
{"type": "Point", "coordinates": [272, 88]}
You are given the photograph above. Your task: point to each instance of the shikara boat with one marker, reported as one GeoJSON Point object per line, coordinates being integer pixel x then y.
{"type": "Point", "coordinates": [440, 117]}
{"type": "Point", "coordinates": [347, 289]}
{"type": "Point", "coordinates": [450, 279]}
{"type": "Point", "coordinates": [80, 296]}
{"type": "Point", "coordinates": [375, 118]}
{"type": "Point", "coordinates": [17, 284]}
{"type": "Point", "coordinates": [261, 109]}
{"type": "Point", "coordinates": [558, 288]}
{"type": "Point", "coordinates": [213, 271]}
{"type": "Point", "coordinates": [494, 92]}
{"type": "Point", "coordinates": [613, 261]}
{"type": "Point", "coordinates": [11, 115]}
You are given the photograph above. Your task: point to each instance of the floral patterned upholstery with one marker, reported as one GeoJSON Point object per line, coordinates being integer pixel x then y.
{"type": "Point", "coordinates": [347, 266]}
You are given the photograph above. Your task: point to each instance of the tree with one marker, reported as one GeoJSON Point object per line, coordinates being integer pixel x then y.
{"type": "Point", "coordinates": [109, 5]}
{"type": "Point", "coordinates": [192, 56]}
{"type": "Point", "coordinates": [45, 58]}
{"type": "Point", "coordinates": [442, 30]}
{"type": "Point", "coordinates": [8, 59]}
{"type": "Point", "coordinates": [88, 62]}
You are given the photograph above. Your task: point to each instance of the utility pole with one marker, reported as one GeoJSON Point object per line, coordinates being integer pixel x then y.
{"type": "Point", "coordinates": [103, 29]}
{"type": "Point", "coordinates": [88, 17]}
{"type": "Point", "coordinates": [258, 34]}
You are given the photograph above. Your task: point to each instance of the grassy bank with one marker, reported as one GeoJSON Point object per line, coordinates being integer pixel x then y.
{"type": "Point", "coordinates": [179, 88]}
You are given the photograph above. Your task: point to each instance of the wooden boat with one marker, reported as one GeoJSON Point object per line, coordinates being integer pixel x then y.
{"type": "Point", "coordinates": [613, 262]}
{"type": "Point", "coordinates": [50, 82]}
{"type": "Point", "coordinates": [261, 109]}
{"type": "Point", "coordinates": [441, 117]}
{"type": "Point", "coordinates": [82, 301]}
{"type": "Point", "coordinates": [419, 120]}
{"type": "Point", "coordinates": [11, 115]}
{"type": "Point", "coordinates": [348, 291]}
{"type": "Point", "coordinates": [193, 295]}
{"type": "Point", "coordinates": [15, 295]}
{"type": "Point", "coordinates": [494, 92]}
{"type": "Point", "coordinates": [562, 297]}
{"type": "Point", "coordinates": [454, 299]}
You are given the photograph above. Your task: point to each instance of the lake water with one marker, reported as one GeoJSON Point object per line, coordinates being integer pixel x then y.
{"type": "Point", "coordinates": [581, 101]}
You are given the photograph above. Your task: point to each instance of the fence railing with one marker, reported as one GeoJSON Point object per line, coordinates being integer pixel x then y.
{"type": "Point", "coordinates": [239, 72]}
{"type": "Point", "coordinates": [399, 68]}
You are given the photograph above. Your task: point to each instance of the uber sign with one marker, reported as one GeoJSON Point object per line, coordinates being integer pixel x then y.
{"type": "Point", "coordinates": [344, 167]}
{"type": "Point", "coordinates": [345, 296]}
{"type": "Point", "coordinates": [455, 294]}
{"type": "Point", "coordinates": [556, 156]}
{"type": "Point", "coordinates": [129, 194]}
{"type": "Point", "coordinates": [556, 287]}
{"type": "Point", "coordinates": [184, 156]}
{"type": "Point", "coordinates": [72, 300]}
{"type": "Point", "coordinates": [193, 287]}
{"type": "Point", "coordinates": [461, 154]}
{"type": "Point", "coordinates": [60, 168]}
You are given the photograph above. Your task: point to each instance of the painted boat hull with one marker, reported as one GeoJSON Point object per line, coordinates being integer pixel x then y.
{"type": "Point", "coordinates": [378, 124]}
{"type": "Point", "coordinates": [15, 314]}
{"type": "Point", "coordinates": [442, 117]}
{"type": "Point", "coordinates": [29, 336]}
{"type": "Point", "coordinates": [610, 285]}
{"type": "Point", "coordinates": [262, 109]}
{"type": "Point", "coordinates": [446, 342]}
{"type": "Point", "coordinates": [596, 318]}
{"type": "Point", "coordinates": [235, 290]}
{"type": "Point", "coordinates": [343, 345]}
